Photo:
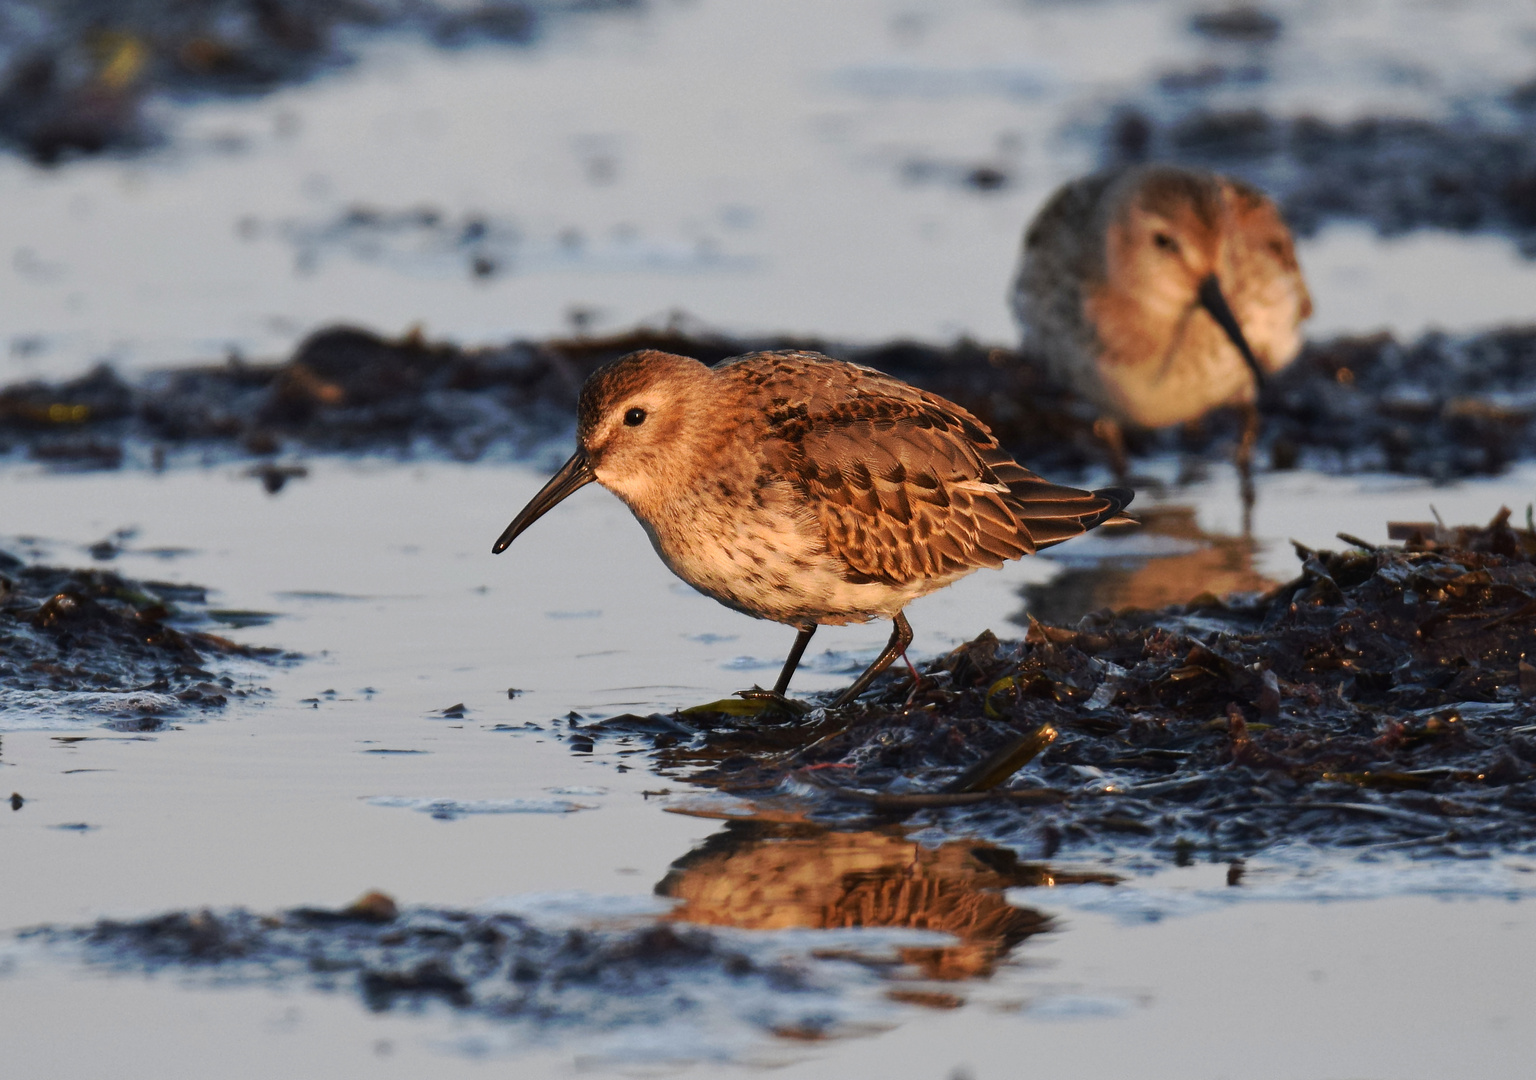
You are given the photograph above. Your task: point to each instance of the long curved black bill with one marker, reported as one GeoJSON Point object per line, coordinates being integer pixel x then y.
{"type": "Point", "coordinates": [575, 473]}
{"type": "Point", "coordinates": [1213, 301]}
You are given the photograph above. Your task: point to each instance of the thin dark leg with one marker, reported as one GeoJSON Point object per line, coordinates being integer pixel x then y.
{"type": "Point", "coordinates": [775, 697]}
{"type": "Point", "coordinates": [1113, 438]}
{"type": "Point", "coordinates": [1245, 465]}
{"type": "Point", "coordinates": [796, 651]}
{"type": "Point", "coordinates": [901, 637]}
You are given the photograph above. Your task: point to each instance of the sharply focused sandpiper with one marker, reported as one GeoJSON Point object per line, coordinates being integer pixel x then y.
{"type": "Point", "coordinates": [809, 491]}
{"type": "Point", "coordinates": [1160, 293]}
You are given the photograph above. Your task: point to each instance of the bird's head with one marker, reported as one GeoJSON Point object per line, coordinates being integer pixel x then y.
{"type": "Point", "coordinates": [1170, 241]}
{"type": "Point", "coordinates": [1164, 233]}
{"type": "Point", "coordinates": [635, 424]}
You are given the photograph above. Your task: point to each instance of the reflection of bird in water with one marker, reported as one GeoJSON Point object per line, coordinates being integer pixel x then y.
{"type": "Point", "coordinates": [1160, 293]}
{"type": "Point", "coordinates": [801, 489]}
{"type": "Point", "coordinates": [762, 876]}
{"type": "Point", "coordinates": [1171, 562]}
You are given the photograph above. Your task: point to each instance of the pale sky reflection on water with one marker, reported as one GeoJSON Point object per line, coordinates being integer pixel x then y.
{"type": "Point", "coordinates": [768, 167]}
{"type": "Point", "coordinates": [279, 802]}
{"type": "Point", "coordinates": [784, 167]}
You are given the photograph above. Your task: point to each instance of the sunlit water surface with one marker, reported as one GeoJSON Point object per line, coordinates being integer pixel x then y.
{"type": "Point", "coordinates": [381, 574]}
{"type": "Point", "coordinates": [788, 167]}
{"type": "Point", "coordinates": [773, 167]}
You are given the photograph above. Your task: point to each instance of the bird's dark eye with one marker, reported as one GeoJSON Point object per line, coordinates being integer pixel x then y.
{"type": "Point", "coordinates": [635, 417]}
{"type": "Point", "coordinates": [1165, 242]}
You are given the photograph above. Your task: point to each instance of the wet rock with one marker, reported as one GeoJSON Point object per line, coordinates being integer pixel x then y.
{"type": "Point", "coordinates": [92, 399]}
{"type": "Point", "coordinates": [1249, 25]}
{"type": "Point", "coordinates": [983, 177]}
{"type": "Point", "coordinates": [275, 477]}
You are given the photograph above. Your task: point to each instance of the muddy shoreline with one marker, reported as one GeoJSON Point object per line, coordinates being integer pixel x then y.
{"type": "Point", "coordinates": [1442, 407]}
{"type": "Point", "coordinates": [927, 919]}
{"type": "Point", "coordinates": [1380, 699]}
{"type": "Point", "coordinates": [1394, 174]}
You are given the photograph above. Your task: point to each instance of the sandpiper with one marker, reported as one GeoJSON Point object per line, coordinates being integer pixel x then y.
{"type": "Point", "coordinates": [1159, 293]}
{"type": "Point", "coordinates": [809, 491]}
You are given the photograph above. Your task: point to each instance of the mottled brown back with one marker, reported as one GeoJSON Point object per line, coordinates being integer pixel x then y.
{"type": "Point", "coordinates": [905, 485]}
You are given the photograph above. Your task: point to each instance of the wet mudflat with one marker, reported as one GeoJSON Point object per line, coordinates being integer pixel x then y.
{"type": "Point", "coordinates": [1088, 996]}
{"type": "Point", "coordinates": [573, 870]}
{"type": "Point", "coordinates": [399, 762]}
{"type": "Point", "coordinates": [91, 642]}
{"type": "Point", "coordinates": [821, 182]}
{"type": "Point", "coordinates": [1441, 406]}
{"type": "Point", "coordinates": [79, 79]}
{"type": "Point", "coordinates": [891, 915]}
{"type": "Point", "coordinates": [1379, 699]}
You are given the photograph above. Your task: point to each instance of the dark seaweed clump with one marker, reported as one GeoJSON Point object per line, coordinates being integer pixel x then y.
{"type": "Point", "coordinates": [343, 390]}
{"type": "Point", "coordinates": [498, 965]}
{"type": "Point", "coordinates": [93, 632]}
{"type": "Point", "coordinates": [75, 76]}
{"type": "Point", "coordinates": [1441, 406]}
{"type": "Point", "coordinates": [1382, 697]}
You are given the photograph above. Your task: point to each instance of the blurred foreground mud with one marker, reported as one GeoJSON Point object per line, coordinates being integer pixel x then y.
{"type": "Point", "coordinates": [500, 965]}
{"type": "Point", "coordinates": [93, 644]}
{"type": "Point", "coordinates": [1441, 406]}
{"type": "Point", "coordinates": [1383, 697]}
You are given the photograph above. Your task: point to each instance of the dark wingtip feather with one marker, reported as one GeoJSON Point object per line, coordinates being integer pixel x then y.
{"type": "Point", "coordinates": [1120, 496]}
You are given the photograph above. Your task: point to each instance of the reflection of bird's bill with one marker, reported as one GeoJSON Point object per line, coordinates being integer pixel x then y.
{"type": "Point", "coordinates": [1213, 301]}
{"type": "Point", "coordinates": [575, 473]}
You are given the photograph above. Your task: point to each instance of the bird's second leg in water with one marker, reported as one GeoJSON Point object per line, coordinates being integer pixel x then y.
{"type": "Point", "coordinates": [777, 695]}
{"type": "Point", "coordinates": [1112, 436]}
{"type": "Point", "coordinates": [901, 637]}
{"type": "Point", "coordinates": [1244, 459]}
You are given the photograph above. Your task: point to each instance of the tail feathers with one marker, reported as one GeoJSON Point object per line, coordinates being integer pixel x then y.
{"type": "Point", "coordinates": [1033, 498]}
{"type": "Point", "coordinates": [1121, 497]}
{"type": "Point", "coordinates": [1053, 514]}
{"type": "Point", "coordinates": [1050, 533]}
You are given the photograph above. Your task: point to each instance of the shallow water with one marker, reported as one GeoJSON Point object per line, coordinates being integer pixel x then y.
{"type": "Point", "coordinates": [1263, 990]}
{"type": "Point", "coordinates": [788, 167]}
{"type": "Point", "coordinates": [315, 792]}
{"type": "Point", "coordinates": [862, 171]}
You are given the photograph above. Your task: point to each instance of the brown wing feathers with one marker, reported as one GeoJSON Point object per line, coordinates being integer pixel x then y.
{"type": "Point", "coordinates": [907, 485]}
